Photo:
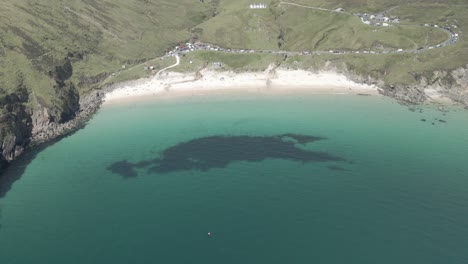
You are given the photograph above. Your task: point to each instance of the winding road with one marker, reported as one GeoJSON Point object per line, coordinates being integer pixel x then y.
{"type": "Point", "coordinates": [453, 37]}
{"type": "Point", "coordinates": [167, 68]}
{"type": "Point", "coordinates": [313, 7]}
{"type": "Point", "coordinates": [451, 40]}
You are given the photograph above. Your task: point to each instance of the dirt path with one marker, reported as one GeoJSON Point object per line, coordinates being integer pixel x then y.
{"type": "Point", "coordinates": [167, 68]}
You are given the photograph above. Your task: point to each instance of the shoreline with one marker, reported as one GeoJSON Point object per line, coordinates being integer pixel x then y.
{"type": "Point", "coordinates": [173, 84]}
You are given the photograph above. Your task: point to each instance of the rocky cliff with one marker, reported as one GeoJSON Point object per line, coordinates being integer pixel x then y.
{"type": "Point", "coordinates": [450, 84]}
{"type": "Point", "coordinates": [15, 125]}
{"type": "Point", "coordinates": [22, 126]}
{"type": "Point", "coordinates": [46, 127]}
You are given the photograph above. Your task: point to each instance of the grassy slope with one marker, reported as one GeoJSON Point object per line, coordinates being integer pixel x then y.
{"type": "Point", "coordinates": [306, 29]}
{"type": "Point", "coordinates": [238, 27]}
{"type": "Point", "coordinates": [231, 62]}
{"type": "Point", "coordinates": [97, 36]}
{"type": "Point", "coordinates": [318, 30]}
{"type": "Point", "coordinates": [100, 36]}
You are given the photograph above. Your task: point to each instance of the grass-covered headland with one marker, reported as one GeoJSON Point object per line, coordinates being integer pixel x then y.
{"type": "Point", "coordinates": [53, 53]}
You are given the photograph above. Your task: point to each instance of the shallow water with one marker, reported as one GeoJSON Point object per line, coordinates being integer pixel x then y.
{"type": "Point", "coordinates": [290, 179]}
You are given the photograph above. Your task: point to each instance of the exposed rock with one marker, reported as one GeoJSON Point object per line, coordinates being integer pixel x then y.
{"type": "Point", "coordinates": [406, 94]}
{"type": "Point", "coordinates": [450, 84]}
{"type": "Point", "coordinates": [44, 126]}
{"type": "Point", "coordinates": [15, 127]}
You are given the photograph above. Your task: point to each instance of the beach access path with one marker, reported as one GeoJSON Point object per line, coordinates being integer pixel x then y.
{"type": "Point", "coordinates": [169, 67]}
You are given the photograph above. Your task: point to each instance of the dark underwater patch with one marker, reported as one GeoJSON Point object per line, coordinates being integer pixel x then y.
{"type": "Point", "coordinates": [219, 151]}
{"type": "Point", "coordinates": [336, 168]}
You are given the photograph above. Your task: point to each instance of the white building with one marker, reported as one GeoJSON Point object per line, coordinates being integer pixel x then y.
{"type": "Point", "coordinates": [258, 6]}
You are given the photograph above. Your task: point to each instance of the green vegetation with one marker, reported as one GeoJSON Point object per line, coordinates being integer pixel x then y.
{"type": "Point", "coordinates": [37, 38]}
{"type": "Point", "coordinates": [230, 62]}
{"type": "Point", "coordinates": [296, 28]}
{"type": "Point", "coordinates": [58, 48]}
{"type": "Point", "coordinates": [307, 29]}
{"type": "Point", "coordinates": [303, 29]}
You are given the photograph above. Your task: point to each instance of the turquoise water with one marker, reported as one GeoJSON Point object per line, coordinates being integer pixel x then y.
{"type": "Point", "coordinates": [290, 179]}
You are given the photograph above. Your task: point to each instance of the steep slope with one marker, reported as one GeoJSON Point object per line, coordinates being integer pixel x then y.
{"type": "Point", "coordinates": [53, 52]}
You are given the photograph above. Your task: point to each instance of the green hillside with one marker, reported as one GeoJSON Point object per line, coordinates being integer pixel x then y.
{"type": "Point", "coordinates": [53, 52]}
{"type": "Point", "coordinates": [94, 37]}
{"type": "Point", "coordinates": [54, 47]}
{"type": "Point", "coordinates": [294, 28]}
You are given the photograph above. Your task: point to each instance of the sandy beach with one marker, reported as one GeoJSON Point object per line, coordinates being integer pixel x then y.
{"type": "Point", "coordinates": [181, 84]}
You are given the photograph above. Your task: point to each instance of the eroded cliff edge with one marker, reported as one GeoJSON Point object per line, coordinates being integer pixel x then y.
{"type": "Point", "coordinates": [23, 125]}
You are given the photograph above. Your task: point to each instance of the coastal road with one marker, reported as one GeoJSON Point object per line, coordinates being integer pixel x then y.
{"type": "Point", "coordinates": [313, 7]}
{"type": "Point", "coordinates": [452, 38]}
{"type": "Point", "coordinates": [167, 68]}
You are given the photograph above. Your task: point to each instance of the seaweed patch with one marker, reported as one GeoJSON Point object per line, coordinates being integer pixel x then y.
{"type": "Point", "coordinates": [219, 151]}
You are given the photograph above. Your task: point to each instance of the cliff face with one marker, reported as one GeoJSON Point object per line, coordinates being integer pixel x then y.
{"type": "Point", "coordinates": [46, 127]}
{"type": "Point", "coordinates": [451, 84]}
{"type": "Point", "coordinates": [15, 125]}
{"type": "Point", "coordinates": [69, 110]}
{"type": "Point", "coordinates": [22, 125]}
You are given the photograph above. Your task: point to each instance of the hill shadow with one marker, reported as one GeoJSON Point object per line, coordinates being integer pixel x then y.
{"type": "Point", "coordinates": [13, 171]}
{"type": "Point", "coordinates": [219, 151]}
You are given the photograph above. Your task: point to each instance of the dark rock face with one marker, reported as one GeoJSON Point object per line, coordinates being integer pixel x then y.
{"type": "Point", "coordinates": [15, 125]}
{"type": "Point", "coordinates": [219, 151]}
{"type": "Point", "coordinates": [452, 84]}
{"type": "Point", "coordinates": [21, 127]}
{"type": "Point", "coordinates": [46, 127]}
{"type": "Point", "coordinates": [406, 94]}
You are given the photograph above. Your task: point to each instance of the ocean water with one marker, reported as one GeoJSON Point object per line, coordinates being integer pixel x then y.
{"type": "Point", "coordinates": [274, 179]}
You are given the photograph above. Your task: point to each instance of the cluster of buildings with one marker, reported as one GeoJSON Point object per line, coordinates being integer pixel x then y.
{"type": "Point", "coordinates": [188, 47]}
{"type": "Point", "coordinates": [181, 49]}
{"type": "Point", "coordinates": [258, 6]}
{"type": "Point", "coordinates": [377, 19]}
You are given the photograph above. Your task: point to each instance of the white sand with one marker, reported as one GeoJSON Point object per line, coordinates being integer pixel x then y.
{"type": "Point", "coordinates": [171, 83]}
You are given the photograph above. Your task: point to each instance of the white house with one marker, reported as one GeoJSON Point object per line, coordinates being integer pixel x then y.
{"type": "Point", "coordinates": [258, 6]}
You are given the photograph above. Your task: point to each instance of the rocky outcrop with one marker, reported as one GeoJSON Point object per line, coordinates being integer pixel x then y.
{"type": "Point", "coordinates": [450, 84]}
{"type": "Point", "coordinates": [45, 127]}
{"type": "Point", "coordinates": [70, 109]}
{"type": "Point", "coordinates": [453, 84]}
{"type": "Point", "coordinates": [15, 125]}
{"type": "Point", "coordinates": [408, 94]}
